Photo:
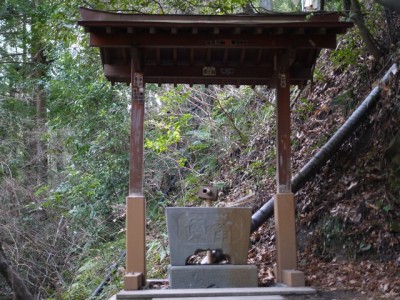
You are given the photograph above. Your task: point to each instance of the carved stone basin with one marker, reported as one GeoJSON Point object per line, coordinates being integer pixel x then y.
{"type": "Point", "coordinates": [195, 229]}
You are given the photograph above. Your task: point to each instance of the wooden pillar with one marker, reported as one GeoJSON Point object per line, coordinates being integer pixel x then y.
{"type": "Point", "coordinates": [283, 168]}
{"type": "Point", "coordinates": [284, 203]}
{"type": "Point", "coordinates": [135, 276]}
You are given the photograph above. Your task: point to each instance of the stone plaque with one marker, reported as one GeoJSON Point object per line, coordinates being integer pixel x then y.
{"type": "Point", "coordinates": [195, 229]}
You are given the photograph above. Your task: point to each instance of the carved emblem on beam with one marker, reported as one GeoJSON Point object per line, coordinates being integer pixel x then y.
{"type": "Point", "coordinates": [138, 87]}
{"type": "Point", "coordinates": [209, 71]}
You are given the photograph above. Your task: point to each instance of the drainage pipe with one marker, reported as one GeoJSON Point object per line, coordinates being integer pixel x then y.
{"type": "Point", "coordinates": [107, 279]}
{"type": "Point", "coordinates": [326, 152]}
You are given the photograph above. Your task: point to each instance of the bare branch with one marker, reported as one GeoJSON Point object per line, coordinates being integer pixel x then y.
{"type": "Point", "coordinates": [15, 282]}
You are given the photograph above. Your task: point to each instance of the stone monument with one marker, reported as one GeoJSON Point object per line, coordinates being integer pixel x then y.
{"type": "Point", "coordinates": [213, 229]}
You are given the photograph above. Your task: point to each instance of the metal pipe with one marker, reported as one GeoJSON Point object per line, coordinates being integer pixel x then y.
{"type": "Point", "coordinates": [107, 278]}
{"type": "Point", "coordinates": [326, 152]}
{"type": "Point", "coordinates": [207, 191]}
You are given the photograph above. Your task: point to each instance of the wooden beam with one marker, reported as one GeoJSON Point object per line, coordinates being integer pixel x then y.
{"type": "Point", "coordinates": [191, 59]}
{"type": "Point", "coordinates": [158, 56]}
{"type": "Point", "coordinates": [208, 56]}
{"type": "Point", "coordinates": [206, 41]}
{"type": "Point", "coordinates": [242, 56]}
{"type": "Point", "coordinates": [122, 72]}
{"type": "Point", "coordinates": [175, 56]}
{"type": "Point", "coordinates": [213, 81]}
{"type": "Point", "coordinates": [91, 17]}
{"type": "Point", "coordinates": [125, 54]}
{"type": "Point", "coordinates": [286, 59]}
{"type": "Point", "coordinates": [298, 31]}
{"type": "Point", "coordinates": [105, 55]}
{"type": "Point", "coordinates": [259, 56]}
{"type": "Point", "coordinates": [225, 57]}
{"type": "Point", "coordinates": [258, 31]}
{"type": "Point", "coordinates": [278, 30]}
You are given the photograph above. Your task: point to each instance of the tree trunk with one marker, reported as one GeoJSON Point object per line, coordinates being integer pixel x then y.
{"type": "Point", "coordinates": [40, 63]}
{"type": "Point", "coordinates": [41, 117]}
{"type": "Point", "coordinates": [358, 19]}
{"type": "Point", "coordinates": [15, 282]}
{"type": "Point", "coordinates": [391, 25]}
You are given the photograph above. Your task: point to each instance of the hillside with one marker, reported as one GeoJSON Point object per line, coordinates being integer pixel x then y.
{"type": "Point", "coordinates": [348, 214]}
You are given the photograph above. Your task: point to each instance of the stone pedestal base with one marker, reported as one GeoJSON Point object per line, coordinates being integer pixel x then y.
{"type": "Point", "coordinates": [135, 242]}
{"type": "Point", "coordinates": [212, 276]}
{"type": "Point", "coordinates": [286, 249]}
{"type": "Point", "coordinates": [293, 278]}
{"type": "Point", "coordinates": [133, 281]}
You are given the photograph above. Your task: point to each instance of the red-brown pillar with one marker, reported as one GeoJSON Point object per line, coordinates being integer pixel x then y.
{"type": "Point", "coordinates": [284, 203]}
{"type": "Point", "coordinates": [284, 168]}
{"type": "Point", "coordinates": [135, 276]}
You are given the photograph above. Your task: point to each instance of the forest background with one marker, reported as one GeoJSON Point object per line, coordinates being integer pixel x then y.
{"type": "Point", "coordinates": [64, 142]}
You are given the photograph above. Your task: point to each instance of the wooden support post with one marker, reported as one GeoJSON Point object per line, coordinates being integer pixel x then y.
{"type": "Point", "coordinates": [135, 276]}
{"type": "Point", "coordinates": [284, 203]}
{"type": "Point", "coordinates": [137, 121]}
{"type": "Point", "coordinates": [283, 167]}
{"type": "Point", "coordinates": [136, 147]}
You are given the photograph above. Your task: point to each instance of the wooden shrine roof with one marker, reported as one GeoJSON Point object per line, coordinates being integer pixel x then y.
{"type": "Point", "coordinates": [204, 49]}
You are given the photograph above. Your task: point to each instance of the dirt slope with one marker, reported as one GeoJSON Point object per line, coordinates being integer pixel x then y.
{"type": "Point", "coordinates": [349, 214]}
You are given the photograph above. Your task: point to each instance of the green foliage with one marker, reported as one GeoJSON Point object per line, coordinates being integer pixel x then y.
{"type": "Point", "coordinates": [93, 120]}
{"type": "Point", "coordinates": [373, 13]}
{"type": "Point", "coordinates": [348, 53]}
{"type": "Point", "coordinates": [318, 75]}
{"type": "Point", "coordinates": [257, 168]}
{"type": "Point", "coordinates": [334, 5]}
{"type": "Point", "coordinates": [16, 120]}
{"type": "Point", "coordinates": [93, 270]}
{"type": "Point", "coordinates": [157, 256]}
{"type": "Point", "coordinates": [155, 209]}
{"type": "Point", "coordinates": [166, 132]}
{"type": "Point", "coordinates": [285, 6]}
{"type": "Point", "coordinates": [305, 108]}
{"type": "Point", "coordinates": [346, 101]}
{"type": "Point", "coordinates": [333, 240]}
